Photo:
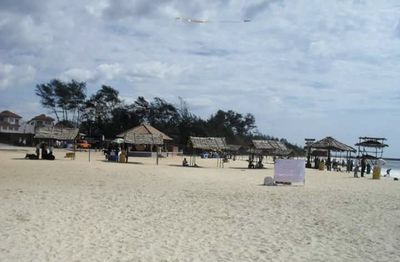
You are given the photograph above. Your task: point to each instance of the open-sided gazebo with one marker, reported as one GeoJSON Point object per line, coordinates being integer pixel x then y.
{"type": "Point", "coordinates": [216, 144]}
{"type": "Point", "coordinates": [266, 147]}
{"type": "Point", "coordinates": [51, 134]}
{"type": "Point", "coordinates": [132, 138]}
{"type": "Point", "coordinates": [330, 144]}
{"type": "Point", "coordinates": [56, 133]}
{"type": "Point", "coordinates": [371, 146]}
{"type": "Point", "coordinates": [146, 129]}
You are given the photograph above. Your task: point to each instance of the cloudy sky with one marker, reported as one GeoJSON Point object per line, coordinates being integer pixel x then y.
{"type": "Point", "coordinates": [304, 68]}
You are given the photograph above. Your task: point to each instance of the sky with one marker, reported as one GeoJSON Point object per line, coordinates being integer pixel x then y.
{"type": "Point", "coordinates": [303, 68]}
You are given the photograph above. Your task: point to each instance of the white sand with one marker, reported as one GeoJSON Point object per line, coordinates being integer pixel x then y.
{"type": "Point", "coordinates": [67, 210]}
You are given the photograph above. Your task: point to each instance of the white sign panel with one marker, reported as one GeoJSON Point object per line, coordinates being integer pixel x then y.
{"type": "Point", "coordinates": [290, 170]}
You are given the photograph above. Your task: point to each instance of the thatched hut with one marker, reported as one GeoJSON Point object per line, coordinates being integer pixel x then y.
{"type": "Point", "coordinates": [372, 146]}
{"type": "Point", "coordinates": [269, 148]}
{"type": "Point", "coordinates": [56, 133]}
{"type": "Point", "coordinates": [146, 129]}
{"type": "Point", "coordinates": [216, 144]}
{"type": "Point", "coordinates": [330, 144]}
{"type": "Point", "coordinates": [208, 143]}
{"type": "Point", "coordinates": [49, 135]}
{"type": "Point", "coordinates": [261, 148]}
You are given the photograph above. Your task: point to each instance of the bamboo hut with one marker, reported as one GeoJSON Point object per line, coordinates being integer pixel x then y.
{"type": "Point", "coordinates": [146, 129]}
{"type": "Point", "coordinates": [56, 133]}
{"type": "Point", "coordinates": [132, 137]}
{"type": "Point", "coordinates": [51, 134]}
{"type": "Point", "coordinates": [269, 147]}
{"type": "Point", "coordinates": [233, 150]}
{"type": "Point", "coordinates": [371, 146]}
{"type": "Point", "coordinates": [263, 148]}
{"type": "Point", "coordinates": [330, 144]}
{"type": "Point", "coordinates": [216, 144]}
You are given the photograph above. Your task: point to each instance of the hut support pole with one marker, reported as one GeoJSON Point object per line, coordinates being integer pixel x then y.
{"type": "Point", "coordinates": [157, 155]}
{"type": "Point", "coordinates": [329, 164]}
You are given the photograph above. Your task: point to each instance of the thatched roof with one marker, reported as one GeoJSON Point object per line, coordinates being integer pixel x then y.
{"type": "Point", "coordinates": [371, 143]}
{"type": "Point", "coordinates": [208, 143]}
{"type": "Point", "coordinates": [145, 129]}
{"type": "Point", "coordinates": [329, 143]}
{"type": "Point", "coordinates": [143, 139]}
{"type": "Point", "coordinates": [56, 133]}
{"type": "Point", "coordinates": [269, 145]}
{"type": "Point", "coordinates": [233, 148]}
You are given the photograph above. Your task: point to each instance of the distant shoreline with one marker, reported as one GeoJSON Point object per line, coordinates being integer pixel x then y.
{"type": "Point", "coordinates": [391, 159]}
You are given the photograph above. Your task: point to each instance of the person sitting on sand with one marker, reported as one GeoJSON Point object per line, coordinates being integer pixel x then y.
{"type": "Point", "coordinates": [185, 162]}
{"type": "Point", "coordinates": [259, 164]}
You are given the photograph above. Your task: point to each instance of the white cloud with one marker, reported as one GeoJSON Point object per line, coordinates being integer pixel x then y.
{"type": "Point", "coordinates": [301, 62]}
{"type": "Point", "coordinates": [154, 69]}
{"type": "Point", "coordinates": [78, 74]}
{"type": "Point", "coordinates": [110, 71]}
{"type": "Point", "coordinates": [12, 76]}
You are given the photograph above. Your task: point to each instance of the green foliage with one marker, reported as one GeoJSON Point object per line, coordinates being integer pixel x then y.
{"type": "Point", "coordinates": [63, 98]}
{"type": "Point", "coordinates": [104, 113]}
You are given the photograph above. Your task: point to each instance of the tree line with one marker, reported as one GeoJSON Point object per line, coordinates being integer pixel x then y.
{"type": "Point", "coordinates": [104, 113]}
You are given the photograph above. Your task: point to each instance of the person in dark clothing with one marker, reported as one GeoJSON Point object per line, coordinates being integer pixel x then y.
{"type": "Point", "coordinates": [363, 166]}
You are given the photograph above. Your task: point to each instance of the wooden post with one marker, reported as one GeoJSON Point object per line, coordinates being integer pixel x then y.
{"type": "Point", "coordinates": [157, 154]}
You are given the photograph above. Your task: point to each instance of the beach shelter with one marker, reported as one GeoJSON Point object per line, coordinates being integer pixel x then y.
{"type": "Point", "coordinates": [233, 150]}
{"type": "Point", "coordinates": [146, 129]}
{"type": "Point", "coordinates": [330, 144]}
{"type": "Point", "coordinates": [267, 147]}
{"type": "Point", "coordinates": [146, 134]}
{"type": "Point", "coordinates": [134, 138]}
{"type": "Point", "coordinates": [57, 133]}
{"type": "Point", "coordinates": [371, 146]}
{"type": "Point", "coordinates": [52, 134]}
{"type": "Point", "coordinates": [216, 144]}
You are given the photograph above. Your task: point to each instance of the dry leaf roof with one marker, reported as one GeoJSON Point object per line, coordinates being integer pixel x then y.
{"type": "Point", "coordinates": [56, 133]}
{"type": "Point", "coordinates": [330, 143]}
{"type": "Point", "coordinates": [270, 146]}
{"type": "Point", "coordinates": [143, 139]}
{"type": "Point", "coordinates": [208, 143]}
{"type": "Point", "coordinates": [146, 129]}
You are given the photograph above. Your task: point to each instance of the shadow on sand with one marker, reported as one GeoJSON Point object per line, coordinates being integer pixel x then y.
{"type": "Point", "coordinates": [114, 162]}
{"type": "Point", "coordinates": [185, 166]}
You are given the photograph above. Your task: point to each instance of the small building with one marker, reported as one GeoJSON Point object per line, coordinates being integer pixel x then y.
{"type": "Point", "coordinates": [214, 144]}
{"type": "Point", "coordinates": [13, 130]}
{"type": "Point", "coordinates": [9, 122]}
{"type": "Point", "coordinates": [145, 129]}
{"type": "Point", "coordinates": [41, 121]}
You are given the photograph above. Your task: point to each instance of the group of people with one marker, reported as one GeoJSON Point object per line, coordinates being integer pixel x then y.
{"type": "Point", "coordinates": [258, 164]}
{"type": "Point", "coordinates": [43, 151]}
{"type": "Point", "coordinates": [360, 164]}
{"type": "Point", "coordinates": [116, 153]}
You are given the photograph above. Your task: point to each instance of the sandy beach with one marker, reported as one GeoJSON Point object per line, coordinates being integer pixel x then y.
{"type": "Point", "coordinates": [75, 210]}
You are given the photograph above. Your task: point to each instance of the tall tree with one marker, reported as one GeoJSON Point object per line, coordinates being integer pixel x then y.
{"type": "Point", "coordinates": [104, 101]}
{"type": "Point", "coordinates": [62, 97]}
{"type": "Point", "coordinates": [77, 100]}
{"type": "Point", "coordinates": [47, 97]}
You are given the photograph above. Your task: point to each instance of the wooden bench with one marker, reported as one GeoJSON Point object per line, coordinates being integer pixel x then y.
{"type": "Point", "coordinates": [70, 155]}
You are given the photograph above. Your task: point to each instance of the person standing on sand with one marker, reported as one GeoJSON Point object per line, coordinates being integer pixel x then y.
{"type": "Point", "coordinates": [38, 151]}
{"type": "Point", "coordinates": [356, 169]}
{"type": "Point", "coordinates": [363, 166]}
